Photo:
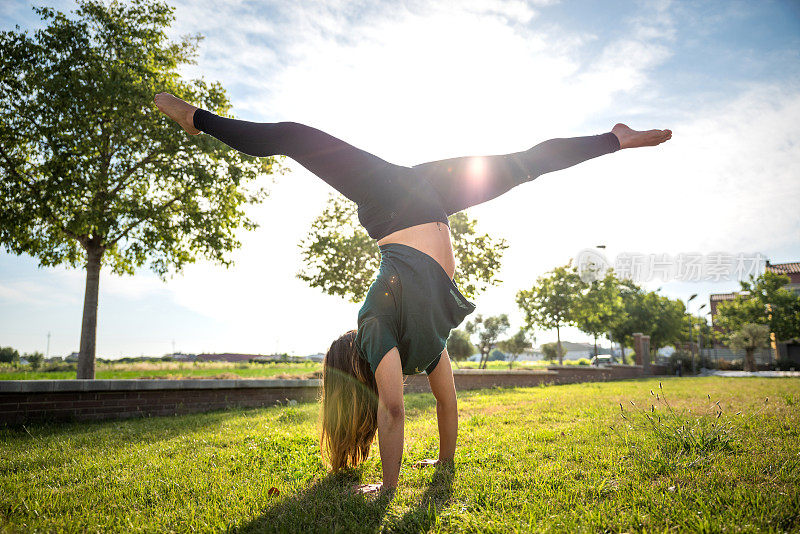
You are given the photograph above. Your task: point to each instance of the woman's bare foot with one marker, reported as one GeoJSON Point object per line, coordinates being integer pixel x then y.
{"type": "Point", "coordinates": [632, 138]}
{"type": "Point", "coordinates": [177, 110]}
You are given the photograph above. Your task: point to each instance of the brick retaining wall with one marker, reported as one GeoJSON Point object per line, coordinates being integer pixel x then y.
{"type": "Point", "coordinates": [83, 400]}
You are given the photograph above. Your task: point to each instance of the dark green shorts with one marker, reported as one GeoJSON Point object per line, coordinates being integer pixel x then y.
{"type": "Point", "coordinates": [411, 305]}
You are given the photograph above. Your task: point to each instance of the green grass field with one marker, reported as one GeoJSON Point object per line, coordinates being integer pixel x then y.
{"type": "Point", "coordinates": [172, 370]}
{"type": "Point", "coordinates": [556, 458]}
{"type": "Point", "coordinates": [175, 370]}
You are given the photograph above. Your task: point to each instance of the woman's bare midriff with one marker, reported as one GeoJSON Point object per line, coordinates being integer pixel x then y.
{"type": "Point", "coordinates": [431, 238]}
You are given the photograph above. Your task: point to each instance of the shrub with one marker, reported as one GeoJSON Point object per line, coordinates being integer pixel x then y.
{"type": "Point", "coordinates": [584, 361]}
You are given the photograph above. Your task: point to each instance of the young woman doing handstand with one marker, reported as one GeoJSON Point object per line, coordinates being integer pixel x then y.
{"type": "Point", "coordinates": [413, 303]}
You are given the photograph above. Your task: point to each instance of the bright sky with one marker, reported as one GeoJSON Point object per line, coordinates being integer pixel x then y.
{"type": "Point", "coordinates": [421, 80]}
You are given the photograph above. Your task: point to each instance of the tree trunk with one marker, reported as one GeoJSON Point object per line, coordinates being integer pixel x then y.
{"type": "Point", "coordinates": [595, 347]}
{"type": "Point", "coordinates": [89, 325]}
{"type": "Point", "coordinates": [611, 349]}
{"type": "Point", "coordinates": [622, 352]}
{"type": "Point", "coordinates": [560, 356]}
{"type": "Point", "coordinates": [749, 360]}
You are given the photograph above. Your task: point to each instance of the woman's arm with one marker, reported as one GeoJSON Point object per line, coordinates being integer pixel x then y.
{"type": "Point", "coordinates": [391, 415]}
{"type": "Point", "coordinates": [444, 389]}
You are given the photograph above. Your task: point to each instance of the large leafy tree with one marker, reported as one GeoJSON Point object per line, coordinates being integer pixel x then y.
{"type": "Point", "coordinates": [341, 259]}
{"type": "Point", "coordinates": [599, 306]}
{"type": "Point", "coordinates": [488, 330]}
{"type": "Point", "coordinates": [552, 301]}
{"type": "Point", "coordinates": [667, 327]}
{"type": "Point", "coordinates": [630, 319]}
{"type": "Point", "coordinates": [91, 174]}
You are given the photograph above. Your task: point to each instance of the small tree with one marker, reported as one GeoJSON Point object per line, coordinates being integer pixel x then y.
{"type": "Point", "coordinates": [459, 346]}
{"type": "Point", "coordinates": [516, 345]}
{"type": "Point", "coordinates": [551, 302]}
{"type": "Point", "coordinates": [488, 330]}
{"type": "Point", "coordinates": [750, 337]}
{"type": "Point", "coordinates": [35, 359]}
{"type": "Point", "coordinates": [551, 352]}
{"type": "Point", "coordinates": [91, 174]}
{"type": "Point", "coordinates": [341, 259]}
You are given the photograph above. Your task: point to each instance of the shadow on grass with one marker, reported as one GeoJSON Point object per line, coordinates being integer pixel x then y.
{"type": "Point", "coordinates": [328, 505]}
{"type": "Point", "coordinates": [331, 505]}
{"type": "Point", "coordinates": [437, 495]}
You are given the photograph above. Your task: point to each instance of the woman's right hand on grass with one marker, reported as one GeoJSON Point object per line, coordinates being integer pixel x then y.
{"type": "Point", "coordinates": [369, 489]}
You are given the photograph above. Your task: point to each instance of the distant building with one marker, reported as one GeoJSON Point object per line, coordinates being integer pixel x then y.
{"type": "Point", "coordinates": [181, 357]}
{"type": "Point", "coordinates": [227, 357]}
{"type": "Point", "coordinates": [792, 270]}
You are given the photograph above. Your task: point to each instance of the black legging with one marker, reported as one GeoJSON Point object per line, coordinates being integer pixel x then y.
{"type": "Point", "coordinates": [359, 175]}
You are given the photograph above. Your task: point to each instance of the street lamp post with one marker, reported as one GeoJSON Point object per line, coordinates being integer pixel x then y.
{"type": "Point", "coordinates": [699, 346]}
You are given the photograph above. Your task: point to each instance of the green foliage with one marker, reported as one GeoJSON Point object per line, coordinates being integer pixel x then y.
{"type": "Point", "coordinates": [748, 338]}
{"type": "Point", "coordinates": [459, 346]}
{"type": "Point", "coordinates": [488, 330]}
{"type": "Point", "coordinates": [584, 361]}
{"type": "Point", "coordinates": [87, 161]}
{"type": "Point", "coordinates": [497, 355]}
{"type": "Point", "coordinates": [552, 301]}
{"type": "Point", "coordinates": [341, 259]}
{"type": "Point", "coordinates": [8, 355]}
{"type": "Point", "coordinates": [91, 174]}
{"type": "Point", "coordinates": [763, 300]}
{"type": "Point", "coordinates": [550, 351]}
{"type": "Point", "coordinates": [599, 306]}
{"type": "Point", "coordinates": [35, 359]}
{"type": "Point", "coordinates": [631, 320]}
{"type": "Point", "coordinates": [516, 345]}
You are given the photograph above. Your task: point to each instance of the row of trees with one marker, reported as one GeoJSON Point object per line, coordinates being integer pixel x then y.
{"type": "Point", "coordinates": [619, 308]}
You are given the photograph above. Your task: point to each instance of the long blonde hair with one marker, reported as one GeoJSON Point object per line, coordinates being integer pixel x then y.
{"type": "Point", "coordinates": [349, 405]}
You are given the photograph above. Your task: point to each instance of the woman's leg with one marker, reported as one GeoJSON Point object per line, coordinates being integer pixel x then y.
{"type": "Point", "coordinates": [348, 169]}
{"type": "Point", "coordinates": [466, 182]}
